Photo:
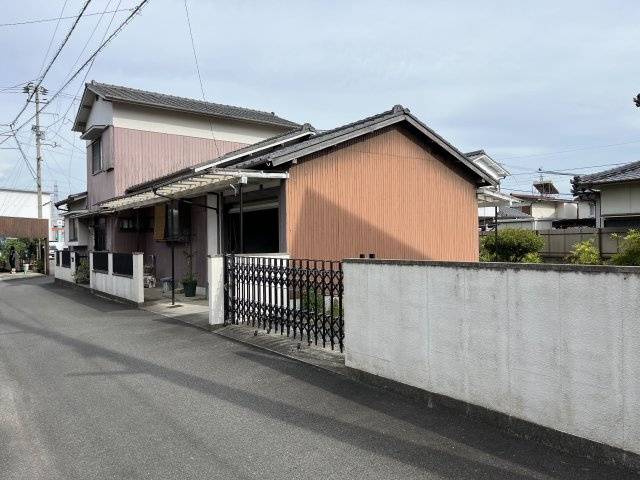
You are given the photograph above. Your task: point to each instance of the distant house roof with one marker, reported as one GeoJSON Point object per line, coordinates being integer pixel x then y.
{"type": "Point", "coordinates": [625, 173]}
{"type": "Point", "coordinates": [541, 198]}
{"type": "Point", "coordinates": [115, 93]}
{"type": "Point", "coordinates": [512, 213]}
{"type": "Point", "coordinates": [484, 161]}
{"type": "Point", "coordinates": [73, 197]}
{"type": "Point", "coordinates": [356, 129]}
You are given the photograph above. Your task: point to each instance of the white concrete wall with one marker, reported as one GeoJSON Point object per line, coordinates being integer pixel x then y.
{"type": "Point", "coordinates": [620, 199]}
{"type": "Point", "coordinates": [23, 204]}
{"type": "Point", "coordinates": [552, 346]}
{"type": "Point", "coordinates": [128, 288]}
{"type": "Point", "coordinates": [215, 273]}
{"type": "Point", "coordinates": [66, 274]}
{"type": "Point", "coordinates": [212, 225]}
{"type": "Point", "coordinates": [82, 233]}
{"type": "Point", "coordinates": [101, 114]}
{"type": "Point", "coordinates": [176, 123]}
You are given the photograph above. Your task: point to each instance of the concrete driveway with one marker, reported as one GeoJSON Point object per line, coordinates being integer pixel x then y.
{"type": "Point", "coordinates": [93, 389]}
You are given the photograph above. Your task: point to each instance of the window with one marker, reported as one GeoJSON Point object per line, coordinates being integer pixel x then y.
{"type": "Point", "coordinates": [100, 234]}
{"type": "Point", "coordinates": [73, 229]}
{"type": "Point", "coordinates": [127, 224]}
{"type": "Point", "coordinates": [96, 156]}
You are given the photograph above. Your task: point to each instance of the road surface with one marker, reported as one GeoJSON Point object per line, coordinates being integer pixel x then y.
{"type": "Point", "coordinates": [93, 389]}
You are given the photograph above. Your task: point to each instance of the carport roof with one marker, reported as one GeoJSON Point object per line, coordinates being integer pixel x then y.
{"type": "Point", "coordinates": [188, 185]}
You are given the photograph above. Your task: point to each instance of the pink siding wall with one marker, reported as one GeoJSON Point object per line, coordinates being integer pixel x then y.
{"type": "Point", "coordinates": [101, 186]}
{"type": "Point", "coordinates": [138, 156]}
{"type": "Point", "coordinates": [142, 156]}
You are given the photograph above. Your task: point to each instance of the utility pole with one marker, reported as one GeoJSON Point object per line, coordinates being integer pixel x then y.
{"type": "Point", "coordinates": [40, 90]}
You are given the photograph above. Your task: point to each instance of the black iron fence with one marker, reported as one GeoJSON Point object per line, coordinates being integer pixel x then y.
{"type": "Point", "coordinates": [65, 258]}
{"type": "Point", "coordinates": [123, 264]}
{"type": "Point", "coordinates": [100, 261]}
{"type": "Point", "coordinates": [57, 258]}
{"type": "Point", "coordinates": [300, 297]}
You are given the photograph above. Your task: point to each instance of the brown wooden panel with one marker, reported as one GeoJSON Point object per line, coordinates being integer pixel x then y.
{"type": "Point", "coordinates": [18, 227]}
{"type": "Point", "coordinates": [386, 193]}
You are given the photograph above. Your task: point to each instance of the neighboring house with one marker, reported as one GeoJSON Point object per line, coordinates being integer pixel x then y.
{"type": "Point", "coordinates": [23, 204]}
{"type": "Point", "coordinates": [614, 194]}
{"type": "Point", "coordinates": [546, 210]}
{"type": "Point", "coordinates": [76, 232]}
{"type": "Point", "coordinates": [490, 198]}
{"type": "Point", "coordinates": [386, 185]}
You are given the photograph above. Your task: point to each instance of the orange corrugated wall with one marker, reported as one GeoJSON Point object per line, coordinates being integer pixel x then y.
{"type": "Point", "coordinates": [387, 193]}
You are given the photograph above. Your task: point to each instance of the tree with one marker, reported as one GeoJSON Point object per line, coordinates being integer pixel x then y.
{"type": "Point", "coordinates": [511, 245]}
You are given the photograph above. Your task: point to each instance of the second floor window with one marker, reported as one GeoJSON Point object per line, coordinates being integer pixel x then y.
{"type": "Point", "coordinates": [96, 156]}
{"type": "Point", "coordinates": [73, 229]}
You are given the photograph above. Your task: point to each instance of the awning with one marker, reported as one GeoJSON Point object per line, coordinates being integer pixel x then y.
{"type": "Point", "coordinates": [488, 197]}
{"type": "Point", "coordinates": [211, 180]}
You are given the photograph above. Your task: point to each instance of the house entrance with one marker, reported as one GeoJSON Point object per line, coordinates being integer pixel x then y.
{"type": "Point", "coordinates": [260, 229]}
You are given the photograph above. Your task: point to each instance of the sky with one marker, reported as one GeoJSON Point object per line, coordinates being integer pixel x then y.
{"type": "Point", "coordinates": [543, 84]}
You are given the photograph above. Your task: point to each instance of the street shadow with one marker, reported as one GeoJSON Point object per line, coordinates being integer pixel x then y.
{"type": "Point", "coordinates": [451, 425]}
{"type": "Point", "coordinates": [423, 457]}
{"type": "Point", "coordinates": [84, 297]}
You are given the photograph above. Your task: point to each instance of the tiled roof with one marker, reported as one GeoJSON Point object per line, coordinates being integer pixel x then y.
{"type": "Point", "coordinates": [625, 173]}
{"type": "Point", "coordinates": [509, 212]}
{"type": "Point", "coordinates": [160, 100]}
{"type": "Point", "coordinates": [352, 130]}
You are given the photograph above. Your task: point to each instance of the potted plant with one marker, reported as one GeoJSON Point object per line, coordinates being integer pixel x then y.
{"type": "Point", "coordinates": [189, 281]}
{"type": "Point", "coordinates": [189, 284]}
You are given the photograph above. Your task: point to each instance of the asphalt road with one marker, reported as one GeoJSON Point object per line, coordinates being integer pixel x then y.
{"type": "Point", "coordinates": [93, 389]}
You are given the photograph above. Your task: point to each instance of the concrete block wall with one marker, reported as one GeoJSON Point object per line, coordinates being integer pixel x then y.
{"type": "Point", "coordinates": [66, 274]}
{"type": "Point", "coordinates": [558, 346]}
{"type": "Point", "coordinates": [121, 286]}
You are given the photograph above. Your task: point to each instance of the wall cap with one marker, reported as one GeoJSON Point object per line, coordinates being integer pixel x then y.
{"type": "Point", "coordinates": [543, 267]}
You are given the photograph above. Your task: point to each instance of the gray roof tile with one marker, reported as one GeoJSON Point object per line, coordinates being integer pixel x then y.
{"type": "Point", "coordinates": [171, 102]}
{"type": "Point", "coordinates": [625, 173]}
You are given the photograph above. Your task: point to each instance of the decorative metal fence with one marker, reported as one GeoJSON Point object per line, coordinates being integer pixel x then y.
{"type": "Point", "coordinates": [65, 258]}
{"type": "Point", "coordinates": [123, 264]}
{"type": "Point", "coordinates": [300, 297]}
{"type": "Point", "coordinates": [57, 258]}
{"type": "Point", "coordinates": [100, 261]}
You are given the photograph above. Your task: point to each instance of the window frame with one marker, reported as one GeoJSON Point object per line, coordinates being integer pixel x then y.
{"type": "Point", "coordinates": [73, 229]}
{"type": "Point", "coordinates": [94, 170]}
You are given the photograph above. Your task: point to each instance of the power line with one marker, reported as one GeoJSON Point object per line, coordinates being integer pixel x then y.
{"type": "Point", "coordinates": [89, 60]}
{"type": "Point", "coordinates": [24, 157]}
{"type": "Point", "coordinates": [76, 96]}
{"type": "Point", "coordinates": [195, 57]}
{"type": "Point", "coordinates": [579, 149]}
{"type": "Point", "coordinates": [565, 171]}
{"type": "Point", "coordinates": [45, 20]}
{"type": "Point", "coordinates": [53, 36]}
{"type": "Point", "coordinates": [51, 62]}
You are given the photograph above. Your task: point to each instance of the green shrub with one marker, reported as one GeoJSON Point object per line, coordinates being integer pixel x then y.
{"type": "Point", "coordinates": [629, 253]}
{"type": "Point", "coordinates": [533, 257]}
{"type": "Point", "coordinates": [585, 253]}
{"type": "Point", "coordinates": [511, 245]}
{"type": "Point", "coordinates": [82, 272]}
